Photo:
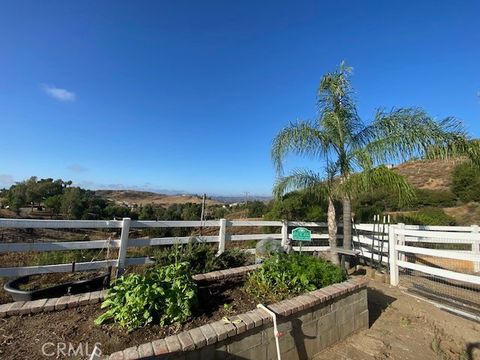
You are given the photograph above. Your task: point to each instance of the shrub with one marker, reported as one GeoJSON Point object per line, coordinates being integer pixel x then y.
{"type": "Point", "coordinates": [201, 257]}
{"type": "Point", "coordinates": [466, 182]}
{"type": "Point", "coordinates": [427, 216]}
{"type": "Point", "coordinates": [426, 197]}
{"type": "Point", "coordinates": [282, 276]}
{"type": "Point", "coordinates": [232, 257]}
{"type": "Point", "coordinates": [165, 294]}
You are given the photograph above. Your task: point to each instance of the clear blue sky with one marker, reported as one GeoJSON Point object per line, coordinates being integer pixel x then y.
{"type": "Point", "coordinates": [188, 95]}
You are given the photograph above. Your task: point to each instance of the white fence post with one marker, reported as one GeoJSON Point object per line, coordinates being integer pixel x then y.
{"type": "Point", "coordinates": [122, 252]}
{"type": "Point", "coordinates": [476, 247]}
{"type": "Point", "coordinates": [221, 236]}
{"type": "Point", "coordinates": [401, 240]}
{"type": "Point", "coordinates": [286, 243]}
{"type": "Point", "coordinates": [392, 256]}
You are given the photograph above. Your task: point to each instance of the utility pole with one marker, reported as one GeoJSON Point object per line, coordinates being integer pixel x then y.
{"type": "Point", "coordinates": [202, 216]}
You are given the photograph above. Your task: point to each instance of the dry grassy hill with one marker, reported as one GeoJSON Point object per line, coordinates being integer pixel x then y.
{"type": "Point", "coordinates": [437, 175]}
{"type": "Point", "coordinates": [146, 197]}
{"type": "Point", "coordinates": [429, 174]}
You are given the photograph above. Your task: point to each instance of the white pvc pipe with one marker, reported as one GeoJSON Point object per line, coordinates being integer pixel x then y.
{"type": "Point", "coordinates": [275, 329]}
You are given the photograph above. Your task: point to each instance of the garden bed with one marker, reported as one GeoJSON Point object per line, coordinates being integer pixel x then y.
{"type": "Point", "coordinates": [23, 336]}
{"type": "Point", "coordinates": [226, 319]}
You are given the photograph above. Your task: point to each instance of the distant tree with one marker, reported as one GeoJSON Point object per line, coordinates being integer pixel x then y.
{"type": "Point", "coordinates": [219, 212]}
{"type": "Point", "coordinates": [116, 211]}
{"type": "Point", "coordinates": [256, 208]}
{"type": "Point", "coordinates": [466, 182]}
{"type": "Point", "coordinates": [17, 196]}
{"type": "Point", "coordinates": [297, 205]}
{"type": "Point", "coordinates": [148, 212]}
{"type": "Point", "coordinates": [191, 211]}
{"type": "Point", "coordinates": [54, 203]}
{"type": "Point", "coordinates": [73, 204]}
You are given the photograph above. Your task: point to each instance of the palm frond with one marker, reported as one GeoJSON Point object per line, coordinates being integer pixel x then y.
{"type": "Point", "coordinates": [371, 180]}
{"type": "Point", "coordinates": [405, 133]}
{"type": "Point", "coordinates": [301, 179]}
{"type": "Point", "coordinates": [301, 138]}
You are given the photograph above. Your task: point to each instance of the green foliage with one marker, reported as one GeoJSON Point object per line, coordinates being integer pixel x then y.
{"type": "Point", "coordinates": [297, 205]}
{"type": "Point", "coordinates": [426, 197]}
{"type": "Point", "coordinates": [54, 203]}
{"type": "Point", "coordinates": [427, 216]}
{"type": "Point", "coordinates": [282, 276]}
{"type": "Point", "coordinates": [201, 257]}
{"type": "Point", "coordinates": [256, 208]}
{"type": "Point", "coordinates": [369, 204]}
{"type": "Point", "coordinates": [164, 294]}
{"type": "Point", "coordinates": [466, 182]}
{"type": "Point", "coordinates": [231, 258]}
{"type": "Point", "coordinates": [65, 257]}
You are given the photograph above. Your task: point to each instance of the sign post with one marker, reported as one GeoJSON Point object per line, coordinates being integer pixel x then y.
{"type": "Point", "coordinates": [301, 234]}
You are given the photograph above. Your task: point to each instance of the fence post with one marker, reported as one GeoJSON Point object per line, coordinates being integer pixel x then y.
{"type": "Point", "coordinates": [286, 243]}
{"type": "Point", "coordinates": [221, 236]}
{"type": "Point", "coordinates": [476, 247]}
{"type": "Point", "coordinates": [392, 255]}
{"type": "Point", "coordinates": [401, 240]}
{"type": "Point", "coordinates": [122, 252]}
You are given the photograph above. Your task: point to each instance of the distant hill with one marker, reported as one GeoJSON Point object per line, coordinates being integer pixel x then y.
{"type": "Point", "coordinates": [429, 174]}
{"type": "Point", "coordinates": [239, 198]}
{"type": "Point", "coordinates": [131, 197]}
{"type": "Point", "coordinates": [437, 175]}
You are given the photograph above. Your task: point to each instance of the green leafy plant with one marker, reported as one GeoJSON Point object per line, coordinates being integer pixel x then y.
{"type": "Point", "coordinates": [165, 294]}
{"type": "Point", "coordinates": [201, 256]}
{"type": "Point", "coordinates": [466, 182]}
{"type": "Point", "coordinates": [427, 216]}
{"type": "Point", "coordinates": [282, 276]}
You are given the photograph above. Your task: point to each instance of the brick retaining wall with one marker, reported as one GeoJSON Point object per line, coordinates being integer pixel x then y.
{"type": "Point", "coordinates": [309, 323]}
{"type": "Point", "coordinates": [71, 301]}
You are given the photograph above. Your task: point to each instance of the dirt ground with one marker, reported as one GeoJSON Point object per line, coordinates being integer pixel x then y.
{"type": "Point", "coordinates": [403, 327]}
{"type": "Point", "coordinates": [22, 337]}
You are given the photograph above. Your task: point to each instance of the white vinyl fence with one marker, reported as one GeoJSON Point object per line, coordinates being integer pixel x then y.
{"type": "Point", "coordinates": [124, 242]}
{"type": "Point", "coordinates": [428, 249]}
{"type": "Point", "coordinates": [398, 248]}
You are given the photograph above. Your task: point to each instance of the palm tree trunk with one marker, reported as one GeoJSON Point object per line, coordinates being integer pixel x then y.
{"type": "Point", "coordinates": [347, 228]}
{"type": "Point", "coordinates": [332, 231]}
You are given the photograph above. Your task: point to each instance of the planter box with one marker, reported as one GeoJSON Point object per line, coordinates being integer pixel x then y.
{"type": "Point", "coordinates": [96, 283]}
{"type": "Point", "coordinates": [309, 323]}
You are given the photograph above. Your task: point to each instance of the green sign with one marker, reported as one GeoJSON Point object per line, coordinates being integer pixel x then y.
{"type": "Point", "coordinates": [301, 234]}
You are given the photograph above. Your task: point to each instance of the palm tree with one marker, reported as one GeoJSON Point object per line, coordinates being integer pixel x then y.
{"type": "Point", "coordinates": [352, 152]}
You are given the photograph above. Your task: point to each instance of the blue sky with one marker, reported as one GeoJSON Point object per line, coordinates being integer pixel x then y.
{"type": "Point", "coordinates": [188, 95]}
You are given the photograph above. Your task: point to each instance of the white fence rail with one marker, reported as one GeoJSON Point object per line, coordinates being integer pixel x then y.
{"type": "Point", "coordinates": [405, 239]}
{"type": "Point", "coordinates": [125, 242]}
{"type": "Point", "coordinates": [384, 244]}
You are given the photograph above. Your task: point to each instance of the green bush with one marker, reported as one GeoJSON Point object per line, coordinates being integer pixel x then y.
{"type": "Point", "coordinates": [466, 182]}
{"type": "Point", "coordinates": [201, 257]}
{"type": "Point", "coordinates": [165, 294]}
{"type": "Point", "coordinates": [426, 197]}
{"type": "Point", "coordinates": [427, 216]}
{"type": "Point", "coordinates": [282, 276]}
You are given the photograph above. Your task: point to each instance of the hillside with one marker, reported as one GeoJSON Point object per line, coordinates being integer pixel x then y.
{"type": "Point", "coordinates": [437, 175]}
{"type": "Point", "coordinates": [131, 197]}
{"type": "Point", "coordinates": [428, 174]}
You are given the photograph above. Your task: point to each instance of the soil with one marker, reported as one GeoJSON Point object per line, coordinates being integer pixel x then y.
{"type": "Point", "coordinates": [407, 328]}
{"type": "Point", "coordinates": [22, 337]}
{"type": "Point", "coordinates": [36, 282]}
